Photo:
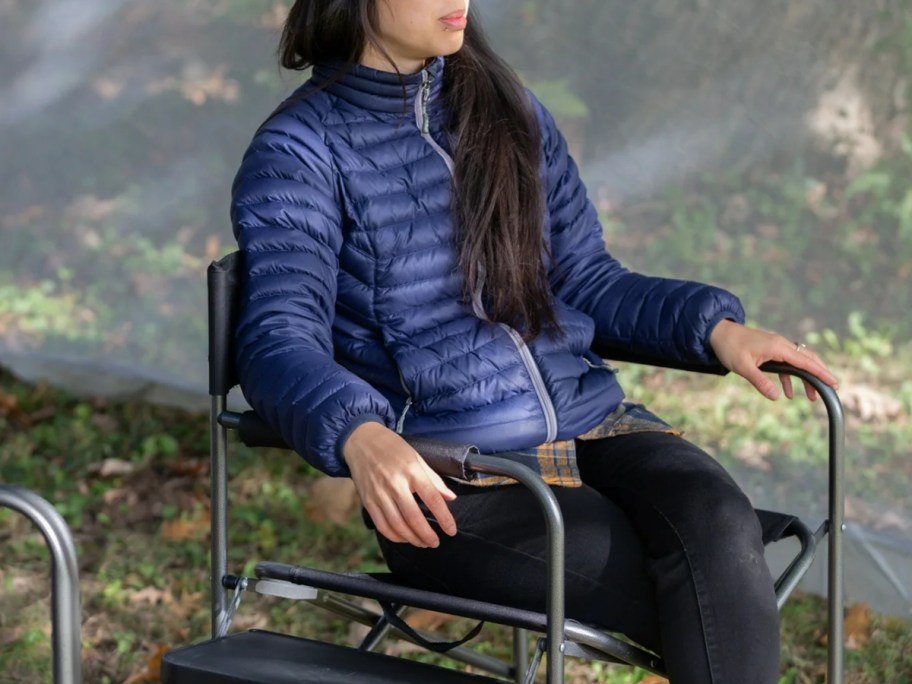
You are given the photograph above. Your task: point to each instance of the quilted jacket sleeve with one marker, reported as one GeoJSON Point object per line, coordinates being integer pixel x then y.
{"type": "Point", "coordinates": [669, 318]}
{"type": "Point", "coordinates": [287, 220]}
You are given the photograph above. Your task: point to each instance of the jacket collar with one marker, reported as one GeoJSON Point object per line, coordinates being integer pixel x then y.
{"type": "Point", "coordinates": [378, 90]}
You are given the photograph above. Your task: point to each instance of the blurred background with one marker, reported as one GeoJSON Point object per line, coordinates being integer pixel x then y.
{"type": "Point", "coordinates": [764, 147]}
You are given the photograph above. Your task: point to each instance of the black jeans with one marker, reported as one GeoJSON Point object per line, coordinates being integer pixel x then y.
{"type": "Point", "coordinates": [662, 545]}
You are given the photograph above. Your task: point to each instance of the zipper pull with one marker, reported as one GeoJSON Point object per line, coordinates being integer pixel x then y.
{"type": "Point", "coordinates": [400, 424]}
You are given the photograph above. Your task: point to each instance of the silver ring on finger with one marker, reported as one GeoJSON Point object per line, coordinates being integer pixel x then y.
{"type": "Point", "coordinates": [799, 346]}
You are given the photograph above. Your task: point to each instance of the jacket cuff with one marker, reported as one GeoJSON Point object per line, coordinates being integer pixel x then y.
{"type": "Point", "coordinates": [731, 315]}
{"type": "Point", "coordinates": [356, 422]}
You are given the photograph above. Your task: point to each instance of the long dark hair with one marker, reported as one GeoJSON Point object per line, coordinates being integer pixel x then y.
{"type": "Point", "coordinates": [498, 201]}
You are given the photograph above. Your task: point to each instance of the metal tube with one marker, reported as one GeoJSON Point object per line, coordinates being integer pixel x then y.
{"type": "Point", "coordinates": [836, 513]}
{"type": "Point", "coordinates": [835, 589]}
{"type": "Point", "coordinates": [228, 419]}
{"type": "Point", "coordinates": [380, 629]}
{"type": "Point", "coordinates": [367, 617]}
{"type": "Point", "coordinates": [624, 652]}
{"type": "Point", "coordinates": [218, 510]}
{"type": "Point", "coordinates": [555, 535]}
{"type": "Point", "coordinates": [520, 653]}
{"type": "Point", "coordinates": [66, 618]}
{"type": "Point", "coordinates": [799, 566]}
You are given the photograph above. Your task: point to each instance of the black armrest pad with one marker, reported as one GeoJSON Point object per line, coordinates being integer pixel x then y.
{"type": "Point", "coordinates": [253, 432]}
{"type": "Point", "coordinates": [445, 458]}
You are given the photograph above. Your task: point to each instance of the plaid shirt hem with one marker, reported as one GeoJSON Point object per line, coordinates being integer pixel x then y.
{"type": "Point", "coordinates": [555, 462]}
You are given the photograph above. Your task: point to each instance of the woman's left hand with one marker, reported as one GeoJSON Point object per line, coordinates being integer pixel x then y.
{"type": "Point", "coordinates": [743, 350]}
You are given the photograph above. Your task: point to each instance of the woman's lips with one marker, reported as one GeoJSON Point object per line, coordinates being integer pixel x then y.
{"type": "Point", "coordinates": [456, 21]}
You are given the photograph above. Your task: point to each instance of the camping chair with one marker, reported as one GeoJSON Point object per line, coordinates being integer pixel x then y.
{"type": "Point", "coordinates": [66, 616]}
{"type": "Point", "coordinates": [269, 658]}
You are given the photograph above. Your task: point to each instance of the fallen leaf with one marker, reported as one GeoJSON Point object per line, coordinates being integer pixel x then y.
{"type": "Point", "coordinates": [213, 247]}
{"type": "Point", "coordinates": [189, 467]}
{"type": "Point", "coordinates": [869, 404]}
{"type": "Point", "coordinates": [120, 494]}
{"type": "Point", "coordinates": [152, 673]}
{"type": "Point", "coordinates": [151, 596]}
{"type": "Point", "coordinates": [9, 406]}
{"type": "Point", "coordinates": [332, 499]}
{"type": "Point", "coordinates": [653, 679]}
{"type": "Point", "coordinates": [194, 527]}
{"type": "Point", "coordinates": [112, 467]}
{"type": "Point", "coordinates": [857, 627]}
{"type": "Point", "coordinates": [427, 620]}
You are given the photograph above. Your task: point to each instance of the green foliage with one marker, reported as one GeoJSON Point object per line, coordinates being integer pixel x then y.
{"type": "Point", "coordinates": [881, 202]}
{"type": "Point", "coordinates": [560, 100]}
{"type": "Point", "coordinates": [150, 588]}
{"type": "Point", "coordinates": [40, 311]}
{"type": "Point", "coordinates": [864, 347]}
{"type": "Point", "coordinates": [792, 247]}
{"type": "Point", "coordinates": [896, 42]}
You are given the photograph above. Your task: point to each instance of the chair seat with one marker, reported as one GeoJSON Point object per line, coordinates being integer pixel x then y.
{"type": "Point", "coordinates": [259, 657]}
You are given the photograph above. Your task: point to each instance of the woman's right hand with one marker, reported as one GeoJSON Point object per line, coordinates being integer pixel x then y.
{"type": "Point", "coordinates": [387, 473]}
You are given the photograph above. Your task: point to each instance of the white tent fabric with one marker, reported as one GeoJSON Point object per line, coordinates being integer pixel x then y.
{"type": "Point", "coordinates": [122, 123]}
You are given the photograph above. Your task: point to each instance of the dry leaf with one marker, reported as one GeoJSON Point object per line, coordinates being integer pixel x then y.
{"type": "Point", "coordinates": [152, 673]}
{"type": "Point", "coordinates": [857, 627]}
{"type": "Point", "coordinates": [9, 406]}
{"type": "Point", "coordinates": [112, 467]}
{"type": "Point", "coordinates": [332, 499]}
{"type": "Point", "coordinates": [213, 247]}
{"type": "Point", "coordinates": [189, 467]}
{"type": "Point", "coordinates": [653, 679]}
{"type": "Point", "coordinates": [151, 596]}
{"type": "Point", "coordinates": [117, 495]}
{"type": "Point", "coordinates": [427, 620]}
{"type": "Point", "coordinates": [191, 528]}
{"type": "Point", "coordinates": [869, 404]}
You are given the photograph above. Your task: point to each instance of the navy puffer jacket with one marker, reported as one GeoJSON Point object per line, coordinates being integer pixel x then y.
{"type": "Point", "coordinates": [352, 307]}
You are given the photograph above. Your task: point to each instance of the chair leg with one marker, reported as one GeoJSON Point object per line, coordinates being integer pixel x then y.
{"type": "Point", "coordinates": [65, 611]}
{"type": "Point", "coordinates": [835, 571]}
{"type": "Point", "coordinates": [380, 629]}
{"type": "Point", "coordinates": [218, 474]}
{"type": "Point", "coordinates": [520, 653]}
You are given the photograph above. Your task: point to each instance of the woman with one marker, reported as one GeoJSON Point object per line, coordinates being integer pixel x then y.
{"type": "Point", "coordinates": [421, 258]}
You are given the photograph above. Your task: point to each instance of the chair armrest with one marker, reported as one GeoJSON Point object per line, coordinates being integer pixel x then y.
{"type": "Point", "coordinates": [445, 458]}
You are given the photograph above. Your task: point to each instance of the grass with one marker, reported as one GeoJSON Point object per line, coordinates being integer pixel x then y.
{"type": "Point", "coordinates": [131, 480]}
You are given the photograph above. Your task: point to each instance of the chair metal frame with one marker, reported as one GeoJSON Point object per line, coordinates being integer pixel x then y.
{"type": "Point", "coordinates": [562, 636]}
{"type": "Point", "coordinates": [66, 618]}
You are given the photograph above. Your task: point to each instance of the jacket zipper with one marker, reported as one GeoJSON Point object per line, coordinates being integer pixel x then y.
{"type": "Point", "coordinates": [604, 365]}
{"type": "Point", "coordinates": [400, 423]}
{"type": "Point", "coordinates": [538, 382]}
{"type": "Point", "coordinates": [424, 121]}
